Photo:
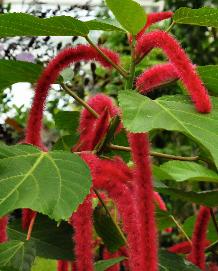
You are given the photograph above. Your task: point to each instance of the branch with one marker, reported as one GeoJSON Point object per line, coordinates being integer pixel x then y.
{"type": "Point", "coordinates": [121, 70]}
{"type": "Point", "coordinates": [157, 154]}
{"type": "Point", "coordinates": [30, 229]}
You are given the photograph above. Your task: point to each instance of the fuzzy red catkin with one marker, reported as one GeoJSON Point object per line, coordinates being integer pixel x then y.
{"type": "Point", "coordinates": [182, 63]}
{"type": "Point", "coordinates": [156, 76]}
{"type": "Point", "coordinates": [213, 267]}
{"type": "Point", "coordinates": [73, 266]}
{"type": "Point", "coordinates": [155, 18]}
{"type": "Point", "coordinates": [197, 255]}
{"type": "Point", "coordinates": [143, 190]}
{"type": "Point", "coordinates": [62, 265]}
{"type": "Point", "coordinates": [81, 220]}
{"type": "Point", "coordinates": [108, 255]}
{"type": "Point", "coordinates": [3, 229]}
{"type": "Point", "coordinates": [184, 247]}
{"type": "Point", "coordinates": [49, 76]}
{"type": "Point", "coordinates": [88, 123]}
{"type": "Point", "coordinates": [108, 176]}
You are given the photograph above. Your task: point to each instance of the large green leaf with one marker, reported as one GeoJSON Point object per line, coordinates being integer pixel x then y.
{"type": "Point", "coordinates": [182, 171]}
{"type": "Point", "coordinates": [65, 143]}
{"type": "Point", "coordinates": [51, 241]}
{"type": "Point", "coordinates": [173, 113]}
{"type": "Point", "coordinates": [12, 71]}
{"type": "Point", "coordinates": [107, 230]}
{"type": "Point", "coordinates": [104, 24]}
{"type": "Point", "coordinates": [104, 265]}
{"type": "Point", "coordinates": [207, 198]}
{"type": "Point", "coordinates": [129, 14]}
{"type": "Point", "coordinates": [52, 183]}
{"type": "Point", "coordinates": [209, 75]}
{"type": "Point", "coordinates": [23, 24]}
{"type": "Point", "coordinates": [18, 255]}
{"type": "Point", "coordinates": [173, 262]}
{"type": "Point", "coordinates": [205, 16]}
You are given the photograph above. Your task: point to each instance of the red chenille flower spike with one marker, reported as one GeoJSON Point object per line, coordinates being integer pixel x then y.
{"type": "Point", "coordinates": [107, 255]}
{"type": "Point", "coordinates": [62, 265]}
{"type": "Point", "coordinates": [197, 255]}
{"type": "Point", "coordinates": [155, 77]}
{"type": "Point", "coordinates": [184, 247]}
{"type": "Point", "coordinates": [3, 229]}
{"type": "Point", "coordinates": [182, 63]}
{"type": "Point", "coordinates": [50, 75]}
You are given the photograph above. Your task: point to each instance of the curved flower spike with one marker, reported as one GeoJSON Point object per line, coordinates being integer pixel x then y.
{"type": "Point", "coordinates": [62, 265]}
{"type": "Point", "coordinates": [3, 229]}
{"type": "Point", "coordinates": [156, 76]}
{"type": "Point", "coordinates": [143, 192]}
{"type": "Point", "coordinates": [182, 63]}
{"type": "Point", "coordinates": [197, 255]}
{"type": "Point", "coordinates": [50, 75]}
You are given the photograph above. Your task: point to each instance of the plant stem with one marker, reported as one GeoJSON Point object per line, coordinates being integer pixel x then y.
{"type": "Point", "coordinates": [157, 154]}
{"type": "Point", "coordinates": [180, 228]}
{"type": "Point", "coordinates": [129, 83]}
{"type": "Point", "coordinates": [214, 219]}
{"type": "Point", "coordinates": [120, 69]}
{"type": "Point", "coordinates": [108, 213]}
{"type": "Point", "coordinates": [170, 27]}
{"type": "Point", "coordinates": [79, 100]}
{"type": "Point", "coordinates": [30, 229]}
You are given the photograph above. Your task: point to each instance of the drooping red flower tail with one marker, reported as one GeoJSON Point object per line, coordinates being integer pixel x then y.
{"type": "Point", "coordinates": [81, 221]}
{"type": "Point", "coordinates": [3, 229]}
{"type": "Point", "coordinates": [73, 266]}
{"type": "Point", "coordinates": [89, 125]}
{"type": "Point", "coordinates": [182, 63]}
{"type": "Point", "coordinates": [155, 18]}
{"type": "Point", "coordinates": [143, 190]}
{"type": "Point", "coordinates": [108, 255]}
{"type": "Point", "coordinates": [156, 76]}
{"type": "Point", "coordinates": [213, 267]}
{"type": "Point", "coordinates": [62, 265]}
{"type": "Point", "coordinates": [197, 255]}
{"type": "Point", "coordinates": [50, 75]}
{"type": "Point", "coordinates": [184, 247]}
{"type": "Point", "coordinates": [107, 176]}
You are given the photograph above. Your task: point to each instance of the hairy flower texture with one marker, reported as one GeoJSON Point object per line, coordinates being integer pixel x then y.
{"type": "Point", "coordinates": [213, 267]}
{"type": "Point", "coordinates": [156, 76]}
{"type": "Point", "coordinates": [62, 265]}
{"type": "Point", "coordinates": [184, 247]}
{"type": "Point", "coordinates": [73, 266]}
{"type": "Point", "coordinates": [107, 255]}
{"type": "Point", "coordinates": [3, 229]}
{"type": "Point", "coordinates": [89, 125]}
{"type": "Point", "coordinates": [50, 75]}
{"type": "Point", "coordinates": [81, 221]}
{"type": "Point", "coordinates": [143, 190]}
{"type": "Point", "coordinates": [109, 177]}
{"type": "Point", "coordinates": [154, 18]}
{"type": "Point", "coordinates": [197, 255]}
{"type": "Point", "coordinates": [182, 63]}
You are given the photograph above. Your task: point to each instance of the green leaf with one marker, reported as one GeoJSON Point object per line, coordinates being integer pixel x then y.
{"type": "Point", "coordinates": [67, 120]}
{"type": "Point", "coordinates": [12, 71]}
{"type": "Point", "coordinates": [65, 143]}
{"type": "Point", "coordinates": [205, 16]}
{"type": "Point", "coordinates": [51, 241]}
{"type": "Point", "coordinates": [18, 255]}
{"type": "Point", "coordinates": [181, 171]}
{"type": "Point", "coordinates": [107, 230]}
{"type": "Point", "coordinates": [104, 265]}
{"type": "Point", "coordinates": [172, 113]}
{"type": "Point", "coordinates": [52, 183]}
{"type": "Point", "coordinates": [207, 198]}
{"type": "Point", "coordinates": [23, 24]}
{"type": "Point", "coordinates": [164, 220]}
{"type": "Point", "coordinates": [209, 75]}
{"type": "Point", "coordinates": [104, 24]}
{"type": "Point", "coordinates": [129, 14]}
{"type": "Point", "coordinates": [172, 262]}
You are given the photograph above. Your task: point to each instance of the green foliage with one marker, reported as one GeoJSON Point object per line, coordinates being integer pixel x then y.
{"type": "Point", "coordinates": [22, 24]}
{"type": "Point", "coordinates": [63, 174]}
{"type": "Point", "coordinates": [206, 16]}
{"type": "Point", "coordinates": [104, 265]}
{"type": "Point", "coordinates": [172, 113]}
{"type": "Point", "coordinates": [50, 240]}
{"type": "Point", "coordinates": [129, 13]}
{"type": "Point", "coordinates": [209, 75]}
{"type": "Point", "coordinates": [18, 255]}
{"type": "Point", "coordinates": [105, 25]}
